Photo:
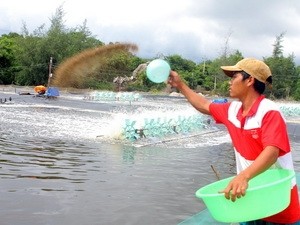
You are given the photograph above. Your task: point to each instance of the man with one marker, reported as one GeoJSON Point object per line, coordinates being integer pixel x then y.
{"type": "Point", "coordinates": [257, 129]}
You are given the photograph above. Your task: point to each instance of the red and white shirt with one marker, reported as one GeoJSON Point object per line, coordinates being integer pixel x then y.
{"type": "Point", "coordinates": [263, 126]}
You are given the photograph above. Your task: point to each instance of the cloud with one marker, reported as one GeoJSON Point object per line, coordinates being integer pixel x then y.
{"type": "Point", "coordinates": [190, 28]}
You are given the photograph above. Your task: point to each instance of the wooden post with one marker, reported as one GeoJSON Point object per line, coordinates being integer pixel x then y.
{"type": "Point", "coordinates": [50, 73]}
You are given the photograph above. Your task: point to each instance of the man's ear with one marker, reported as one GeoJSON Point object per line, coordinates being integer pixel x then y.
{"type": "Point", "coordinates": [251, 80]}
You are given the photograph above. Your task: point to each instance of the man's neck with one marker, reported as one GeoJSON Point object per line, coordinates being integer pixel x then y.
{"type": "Point", "coordinates": [248, 101]}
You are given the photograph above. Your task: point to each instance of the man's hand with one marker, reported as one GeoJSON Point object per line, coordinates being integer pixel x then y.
{"type": "Point", "coordinates": [174, 79]}
{"type": "Point", "coordinates": [236, 188]}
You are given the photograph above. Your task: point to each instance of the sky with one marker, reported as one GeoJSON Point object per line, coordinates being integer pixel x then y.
{"type": "Point", "coordinates": [194, 29]}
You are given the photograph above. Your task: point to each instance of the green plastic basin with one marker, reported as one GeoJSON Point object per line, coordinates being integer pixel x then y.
{"type": "Point", "coordinates": [267, 194]}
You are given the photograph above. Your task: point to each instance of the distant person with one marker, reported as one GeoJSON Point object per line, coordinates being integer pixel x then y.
{"type": "Point", "coordinates": [41, 92]}
{"type": "Point", "coordinates": [257, 129]}
{"type": "Point", "coordinates": [40, 89]}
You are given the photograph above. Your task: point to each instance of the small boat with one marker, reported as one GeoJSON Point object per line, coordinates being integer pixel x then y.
{"type": "Point", "coordinates": [204, 217]}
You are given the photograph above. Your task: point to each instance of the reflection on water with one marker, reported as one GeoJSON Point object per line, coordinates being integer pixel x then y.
{"type": "Point", "coordinates": [55, 170]}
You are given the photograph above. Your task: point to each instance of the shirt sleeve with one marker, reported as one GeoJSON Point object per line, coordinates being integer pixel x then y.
{"type": "Point", "coordinates": [274, 131]}
{"type": "Point", "coordinates": [219, 112]}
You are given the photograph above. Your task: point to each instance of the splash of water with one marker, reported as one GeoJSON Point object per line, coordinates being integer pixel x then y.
{"type": "Point", "coordinates": [145, 123]}
{"type": "Point", "coordinates": [162, 122]}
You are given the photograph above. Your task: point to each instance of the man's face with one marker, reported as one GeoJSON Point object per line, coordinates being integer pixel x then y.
{"type": "Point", "coordinates": [237, 86]}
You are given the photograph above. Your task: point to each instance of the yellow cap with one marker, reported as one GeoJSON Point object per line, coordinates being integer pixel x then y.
{"type": "Point", "coordinates": [256, 68]}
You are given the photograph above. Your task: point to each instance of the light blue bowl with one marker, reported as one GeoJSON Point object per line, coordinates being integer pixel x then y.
{"type": "Point", "coordinates": [158, 71]}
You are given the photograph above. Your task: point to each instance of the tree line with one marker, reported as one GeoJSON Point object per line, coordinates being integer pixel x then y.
{"type": "Point", "coordinates": [25, 60]}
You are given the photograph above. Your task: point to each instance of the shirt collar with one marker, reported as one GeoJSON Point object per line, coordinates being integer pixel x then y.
{"type": "Point", "coordinates": [254, 107]}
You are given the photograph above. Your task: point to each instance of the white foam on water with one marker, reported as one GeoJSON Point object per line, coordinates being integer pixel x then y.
{"type": "Point", "coordinates": [53, 121]}
{"type": "Point", "coordinates": [40, 119]}
{"type": "Point", "coordinates": [210, 139]}
{"type": "Point", "coordinates": [163, 111]}
{"type": "Point", "coordinates": [139, 115]}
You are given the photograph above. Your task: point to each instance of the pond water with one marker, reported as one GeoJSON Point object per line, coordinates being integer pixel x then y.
{"type": "Point", "coordinates": [64, 161]}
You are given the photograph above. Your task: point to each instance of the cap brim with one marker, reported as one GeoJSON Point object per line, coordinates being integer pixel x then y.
{"type": "Point", "coordinates": [230, 70]}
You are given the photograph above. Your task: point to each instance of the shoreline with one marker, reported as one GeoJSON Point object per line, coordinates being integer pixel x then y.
{"type": "Point", "coordinates": [74, 91]}
{"type": "Point", "coordinates": [9, 90]}
{"type": "Point", "coordinates": [29, 90]}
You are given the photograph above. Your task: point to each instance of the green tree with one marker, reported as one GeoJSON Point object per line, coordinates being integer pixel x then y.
{"type": "Point", "coordinates": [206, 81]}
{"type": "Point", "coordinates": [186, 68]}
{"type": "Point", "coordinates": [278, 47]}
{"type": "Point", "coordinates": [215, 75]}
{"type": "Point", "coordinates": [296, 93]}
{"type": "Point", "coordinates": [283, 70]}
{"type": "Point", "coordinates": [58, 42]}
{"type": "Point", "coordinates": [28, 56]}
{"type": "Point", "coordinates": [180, 64]}
{"type": "Point", "coordinates": [8, 65]}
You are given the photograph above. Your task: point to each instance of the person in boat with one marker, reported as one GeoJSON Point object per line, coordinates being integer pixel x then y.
{"type": "Point", "coordinates": [256, 127]}
{"type": "Point", "coordinates": [40, 89]}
